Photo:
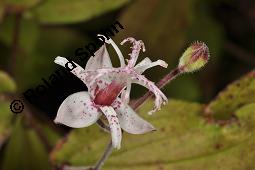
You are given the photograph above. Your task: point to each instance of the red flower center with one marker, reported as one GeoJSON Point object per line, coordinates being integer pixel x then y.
{"type": "Point", "coordinates": [107, 95]}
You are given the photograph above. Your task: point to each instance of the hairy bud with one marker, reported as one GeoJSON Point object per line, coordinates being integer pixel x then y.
{"type": "Point", "coordinates": [195, 57]}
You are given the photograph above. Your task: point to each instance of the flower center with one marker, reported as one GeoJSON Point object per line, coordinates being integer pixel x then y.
{"type": "Point", "coordinates": [107, 95]}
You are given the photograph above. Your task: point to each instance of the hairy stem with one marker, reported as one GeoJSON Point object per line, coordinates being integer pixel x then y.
{"type": "Point", "coordinates": [164, 81]}
{"type": "Point", "coordinates": [104, 157]}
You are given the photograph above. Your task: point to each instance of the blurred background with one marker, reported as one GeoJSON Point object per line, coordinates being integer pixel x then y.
{"type": "Point", "coordinates": [34, 32]}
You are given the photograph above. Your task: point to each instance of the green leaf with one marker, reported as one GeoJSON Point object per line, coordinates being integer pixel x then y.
{"type": "Point", "coordinates": [5, 121]}
{"type": "Point", "coordinates": [7, 84]}
{"type": "Point", "coordinates": [65, 11]}
{"type": "Point", "coordinates": [236, 95]}
{"type": "Point", "coordinates": [25, 150]}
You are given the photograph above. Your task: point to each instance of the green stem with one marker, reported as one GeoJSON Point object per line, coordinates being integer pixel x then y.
{"type": "Point", "coordinates": [104, 157]}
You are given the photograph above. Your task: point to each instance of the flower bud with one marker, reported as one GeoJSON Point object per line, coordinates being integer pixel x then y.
{"type": "Point", "coordinates": [195, 57]}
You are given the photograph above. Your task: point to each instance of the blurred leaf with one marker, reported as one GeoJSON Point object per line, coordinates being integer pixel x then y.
{"type": "Point", "coordinates": [65, 11]}
{"type": "Point", "coordinates": [7, 84]}
{"type": "Point", "coordinates": [5, 121]}
{"type": "Point", "coordinates": [236, 95]}
{"type": "Point", "coordinates": [21, 4]}
{"type": "Point", "coordinates": [183, 141]}
{"type": "Point", "coordinates": [52, 42]}
{"type": "Point", "coordinates": [25, 150]}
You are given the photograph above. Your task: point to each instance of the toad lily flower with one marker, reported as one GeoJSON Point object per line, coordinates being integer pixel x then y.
{"type": "Point", "coordinates": [109, 92]}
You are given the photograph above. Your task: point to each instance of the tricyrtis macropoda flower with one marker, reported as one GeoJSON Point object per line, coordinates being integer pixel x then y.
{"type": "Point", "coordinates": [109, 92]}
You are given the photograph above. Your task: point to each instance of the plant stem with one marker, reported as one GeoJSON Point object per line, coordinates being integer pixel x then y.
{"type": "Point", "coordinates": [104, 157]}
{"type": "Point", "coordinates": [15, 44]}
{"type": "Point", "coordinates": [164, 81]}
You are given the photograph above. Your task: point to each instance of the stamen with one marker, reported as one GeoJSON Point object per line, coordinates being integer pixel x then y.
{"type": "Point", "coordinates": [137, 45]}
{"type": "Point", "coordinates": [160, 97]}
{"type": "Point", "coordinates": [116, 48]}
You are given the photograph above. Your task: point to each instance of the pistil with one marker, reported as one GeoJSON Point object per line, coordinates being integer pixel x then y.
{"type": "Point", "coordinates": [107, 95]}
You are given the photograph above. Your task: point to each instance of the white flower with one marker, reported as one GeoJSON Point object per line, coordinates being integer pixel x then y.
{"type": "Point", "coordinates": [108, 92]}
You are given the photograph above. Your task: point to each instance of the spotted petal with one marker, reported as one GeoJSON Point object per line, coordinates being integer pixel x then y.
{"type": "Point", "coordinates": [77, 111]}
{"type": "Point", "coordinates": [129, 120]}
{"type": "Point", "coordinates": [114, 125]}
{"type": "Point", "coordinates": [78, 71]}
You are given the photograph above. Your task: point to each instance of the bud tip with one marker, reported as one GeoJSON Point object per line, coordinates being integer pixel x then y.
{"type": "Point", "coordinates": [194, 58]}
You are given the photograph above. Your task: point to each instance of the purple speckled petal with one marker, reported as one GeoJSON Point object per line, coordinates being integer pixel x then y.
{"type": "Point", "coordinates": [129, 120]}
{"type": "Point", "coordinates": [77, 111]}
{"type": "Point", "coordinates": [114, 125]}
{"type": "Point", "coordinates": [78, 71]}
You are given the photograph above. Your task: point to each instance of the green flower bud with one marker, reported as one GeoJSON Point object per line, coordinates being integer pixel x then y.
{"type": "Point", "coordinates": [194, 58]}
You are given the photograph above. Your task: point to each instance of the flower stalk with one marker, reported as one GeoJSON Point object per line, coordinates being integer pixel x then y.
{"type": "Point", "coordinates": [104, 157]}
{"type": "Point", "coordinates": [164, 81]}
